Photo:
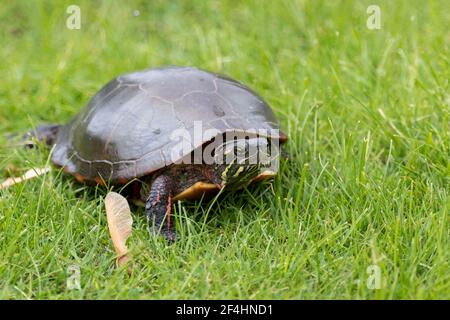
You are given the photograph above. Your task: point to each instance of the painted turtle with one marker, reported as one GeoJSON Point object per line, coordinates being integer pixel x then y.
{"type": "Point", "coordinates": [150, 126]}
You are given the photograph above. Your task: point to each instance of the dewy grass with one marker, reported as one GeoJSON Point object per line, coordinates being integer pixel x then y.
{"type": "Point", "coordinates": [359, 208]}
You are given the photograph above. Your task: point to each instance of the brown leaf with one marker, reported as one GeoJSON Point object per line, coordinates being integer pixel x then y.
{"type": "Point", "coordinates": [120, 223]}
{"type": "Point", "coordinates": [30, 174]}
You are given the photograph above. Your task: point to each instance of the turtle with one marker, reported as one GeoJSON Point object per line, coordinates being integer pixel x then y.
{"type": "Point", "coordinates": [138, 129]}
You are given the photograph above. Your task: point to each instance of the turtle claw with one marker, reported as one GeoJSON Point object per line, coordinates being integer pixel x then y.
{"type": "Point", "coordinates": [169, 235]}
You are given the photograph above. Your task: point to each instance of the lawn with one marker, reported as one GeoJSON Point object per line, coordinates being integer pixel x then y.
{"type": "Point", "coordinates": [359, 210]}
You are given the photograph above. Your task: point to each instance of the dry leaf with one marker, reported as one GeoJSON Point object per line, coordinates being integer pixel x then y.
{"type": "Point", "coordinates": [30, 174]}
{"type": "Point", "coordinates": [120, 223]}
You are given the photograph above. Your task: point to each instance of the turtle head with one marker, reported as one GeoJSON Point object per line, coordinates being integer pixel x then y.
{"type": "Point", "coordinates": [239, 161]}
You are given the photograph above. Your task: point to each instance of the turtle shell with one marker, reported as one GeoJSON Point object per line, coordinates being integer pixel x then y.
{"type": "Point", "coordinates": [127, 129]}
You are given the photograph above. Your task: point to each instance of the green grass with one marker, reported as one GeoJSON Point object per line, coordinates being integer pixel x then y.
{"type": "Point", "coordinates": [367, 183]}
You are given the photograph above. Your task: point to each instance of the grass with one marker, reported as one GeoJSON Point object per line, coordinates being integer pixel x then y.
{"type": "Point", "coordinates": [367, 182]}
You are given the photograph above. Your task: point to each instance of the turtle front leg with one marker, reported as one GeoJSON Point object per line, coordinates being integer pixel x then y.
{"type": "Point", "coordinates": [158, 208]}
